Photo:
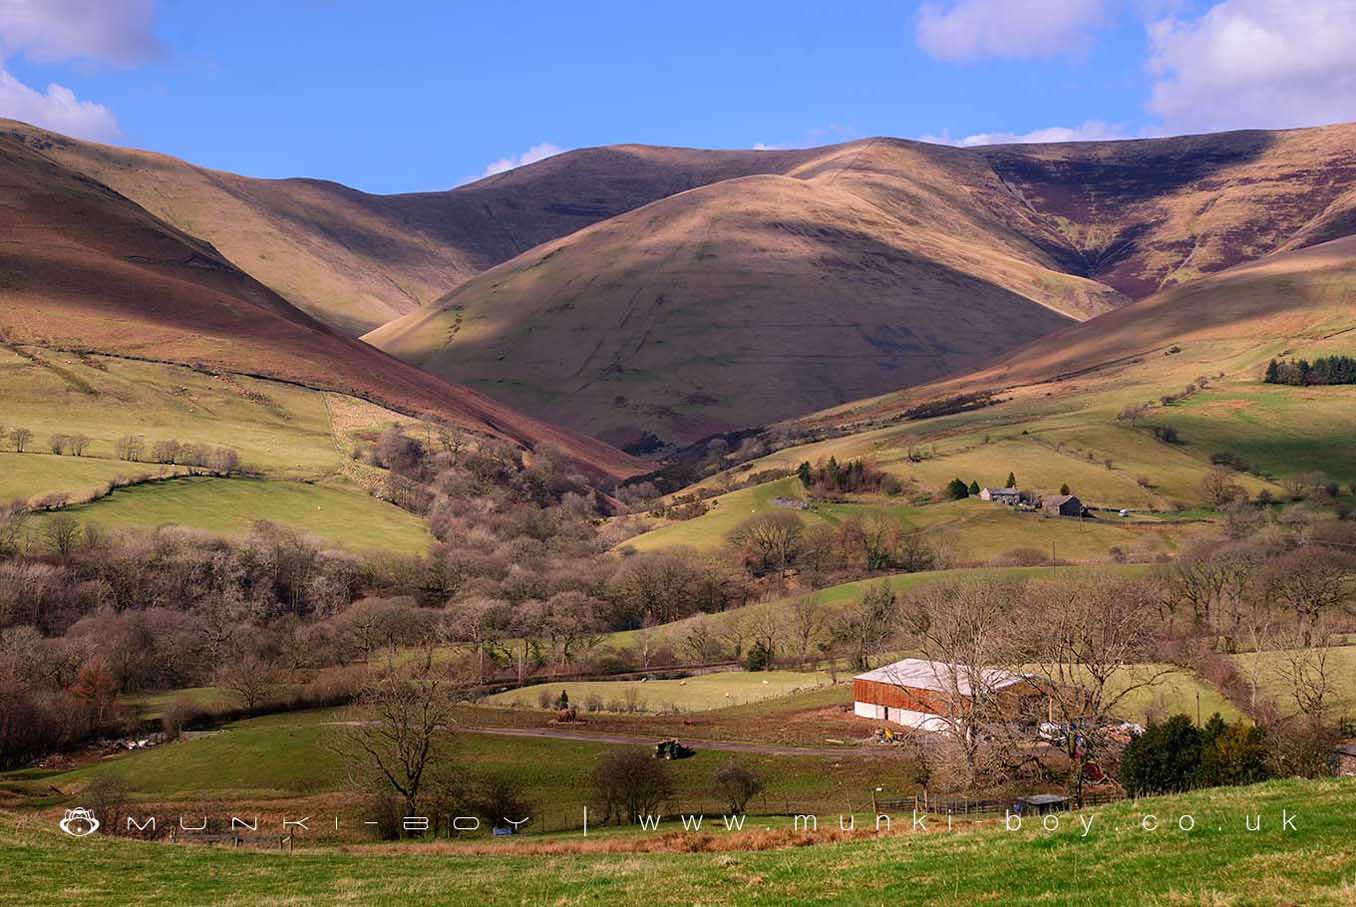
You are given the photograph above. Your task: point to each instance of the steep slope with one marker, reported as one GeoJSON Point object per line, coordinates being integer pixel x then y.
{"type": "Point", "coordinates": [1300, 302]}
{"type": "Point", "coordinates": [82, 267]}
{"type": "Point", "coordinates": [892, 263]}
{"type": "Point", "coordinates": [745, 301]}
{"type": "Point", "coordinates": [355, 260]}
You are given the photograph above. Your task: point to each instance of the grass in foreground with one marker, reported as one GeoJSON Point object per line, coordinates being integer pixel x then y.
{"type": "Point", "coordinates": [1118, 862]}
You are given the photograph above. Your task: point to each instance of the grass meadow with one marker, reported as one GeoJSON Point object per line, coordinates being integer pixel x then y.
{"type": "Point", "coordinates": [333, 511]}
{"type": "Point", "coordinates": [1118, 861]}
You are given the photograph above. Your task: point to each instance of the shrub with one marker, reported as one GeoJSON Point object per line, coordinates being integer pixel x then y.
{"type": "Point", "coordinates": [630, 783]}
{"type": "Point", "coordinates": [736, 785]}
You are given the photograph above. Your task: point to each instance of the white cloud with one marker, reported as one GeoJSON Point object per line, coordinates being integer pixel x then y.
{"type": "Point", "coordinates": [1091, 131]}
{"type": "Point", "coordinates": [764, 146]}
{"type": "Point", "coordinates": [1255, 63]}
{"type": "Point", "coordinates": [978, 29]}
{"type": "Point", "coordinates": [57, 109]}
{"type": "Point", "coordinates": [111, 31]}
{"type": "Point", "coordinates": [530, 156]}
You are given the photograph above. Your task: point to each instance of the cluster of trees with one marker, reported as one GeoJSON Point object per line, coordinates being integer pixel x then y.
{"type": "Point", "coordinates": [1175, 756]}
{"type": "Point", "coordinates": [829, 477]}
{"type": "Point", "coordinates": [772, 544]}
{"type": "Point", "coordinates": [1324, 370]}
{"type": "Point", "coordinates": [76, 444]}
{"type": "Point", "coordinates": [21, 438]}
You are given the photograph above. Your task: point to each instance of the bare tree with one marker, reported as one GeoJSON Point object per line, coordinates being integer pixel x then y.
{"type": "Point", "coordinates": [1306, 664]}
{"type": "Point", "coordinates": [1218, 487]}
{"type": "Point", "coordinates": [965, 631]}
{"type": "Point", "coordinates": [62, 532]}
{"type": "Point", "coordinates": [628, 784]}
{"type": "Point", "coordinates": [773, 539]}
{"type": "Point", "coordinates": [250, 679]}
{"type": "Point", "coordinates": [400, 726]}
{"type": "Point", "coordinates": [20, 437]}
{"type": "Point", "coordinates": [807, 622]}
{"type": "Point", "coordinates": [481, 623]}
{"type": "Point", "coordinates": [736, 784]}
{"type": "Point", "coordinates": [57, 444]}
{"type": "Point", "coordinates": [79, 444]}
{"type": "Point", "coordinates": [129, 448]}
{"type": "Point", "coordinates": [867, 626]}
{"type": "Point", "coordinates": [1090, 645]}
{"type": "Point", "coordinates": [1313, 582]}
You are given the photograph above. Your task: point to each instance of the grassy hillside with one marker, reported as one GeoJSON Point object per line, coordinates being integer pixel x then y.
{"type": "Point", "coordinates": [980, 531]}
{"type": "Point", "coordinates": [337, 512]}
{"type": "Point", "coordinates": [283, 433]}
{"type": "Point", "coordinates": [355, 260]}
{"type": "Point", "coordinates": [763, 296]}
{"type": "Point", "coordinates": [289, 756]}
{"type": "Point", "coordinates": [1116, 863]}
{"type": "Point", "coordinates": [760, 298]}
{"type": "Point", "coordinates": [86, 269]}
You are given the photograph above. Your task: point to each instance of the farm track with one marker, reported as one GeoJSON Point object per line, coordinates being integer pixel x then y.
{"type": "Point", "coordinates": [856, 752]}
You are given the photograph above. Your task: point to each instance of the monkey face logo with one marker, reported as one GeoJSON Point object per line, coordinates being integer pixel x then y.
{"type": "Point", "coordinates": [79, 823]}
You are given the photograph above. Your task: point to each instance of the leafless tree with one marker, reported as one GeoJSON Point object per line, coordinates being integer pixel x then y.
{"type": "Point", "coordinates": [965, 630]}
{"type": "Point", "coordinates": [57, 444]}
{"type": "Point", "coordinates": [773, 539]}
{"type": "Point", "coordinates": [1090, 645]}
{"type": "Point", "coordinates": [481, 623]}
{"type": "Point", "coordinates": [1218, 487]}
{"type": "Point", "coordinates": [867, 626]}
{"type": "Point", "coordinates": [1307, 666]}
{"type": "Point", "coordinates": [401, 725]}
{"type": "Point", "coordinates": [736, 785]}
{"type": "Point", "coordinates": [62, 532]}
{"type": "Point", "coordinates": [628, 784]}
{"type": "Point", "coordinates": [79, 444]}
{"type": "Point", "coordinates": [20, 437]}
{"type": "Point", "coordinates": [807, 622]}
{"type": "Point", "coordinates": [251, 680]}
{"type": "Point", "coordinates": [129, 448]}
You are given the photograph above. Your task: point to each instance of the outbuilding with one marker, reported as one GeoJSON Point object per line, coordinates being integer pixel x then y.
{"type": "Point", "coordinates": [1063, 504]}
{"type": "Point", "coordinates": [918, 693]}
{"type": "Point", "coordinates": [1009, 496]}
{"type": "Point", "coordinates": [1344, 759]}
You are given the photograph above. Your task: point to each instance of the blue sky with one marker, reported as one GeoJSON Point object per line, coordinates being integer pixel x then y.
{"type": "Point", "coordinates": [409, 95]}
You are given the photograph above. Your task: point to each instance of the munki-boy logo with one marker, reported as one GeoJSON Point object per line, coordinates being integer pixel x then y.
{"type": "Point", "coordinates": [79, 822]}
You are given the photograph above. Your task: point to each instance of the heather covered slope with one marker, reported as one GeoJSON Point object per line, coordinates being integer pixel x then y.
{"type": "Point", "coordinates": [745, 301]}
{"type": "Point", "coordinates": [355, 260]}
{"type": "Point", "coordinates": [868, 266]}
{"type": "Point", "coordinates": [81, 267]}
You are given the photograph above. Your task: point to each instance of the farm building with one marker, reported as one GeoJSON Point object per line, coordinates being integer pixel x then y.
{"type": "Point", "coordinates": [1063, 504]}
{"type": "Point", "coordinates": [1009, 496]}
{"type": "Point", "coordinates": [917, 693]}
{"type": "Point", "coordinates": [1344, 759]}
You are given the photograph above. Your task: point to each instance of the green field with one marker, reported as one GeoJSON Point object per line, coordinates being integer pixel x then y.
{"type": "Point", "coordinates": [1265, 665]}
{"type": "Point", "coordinates": [30, 475]}
{"type": "Point", "coordinates": [279, 429]}
{"type": "Point", "coordinates": [1116, 863]}
{"type": "Point", "coordinates": [982, 531]}
{"type": "Point", "coordinates": [693, 694]}
{"type": "Point", "coordinates": [286, 756]}
{"type": "Point", "coordinates": [1280, 430]}
{"type": "Point", "coordinates": [335, 512]}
